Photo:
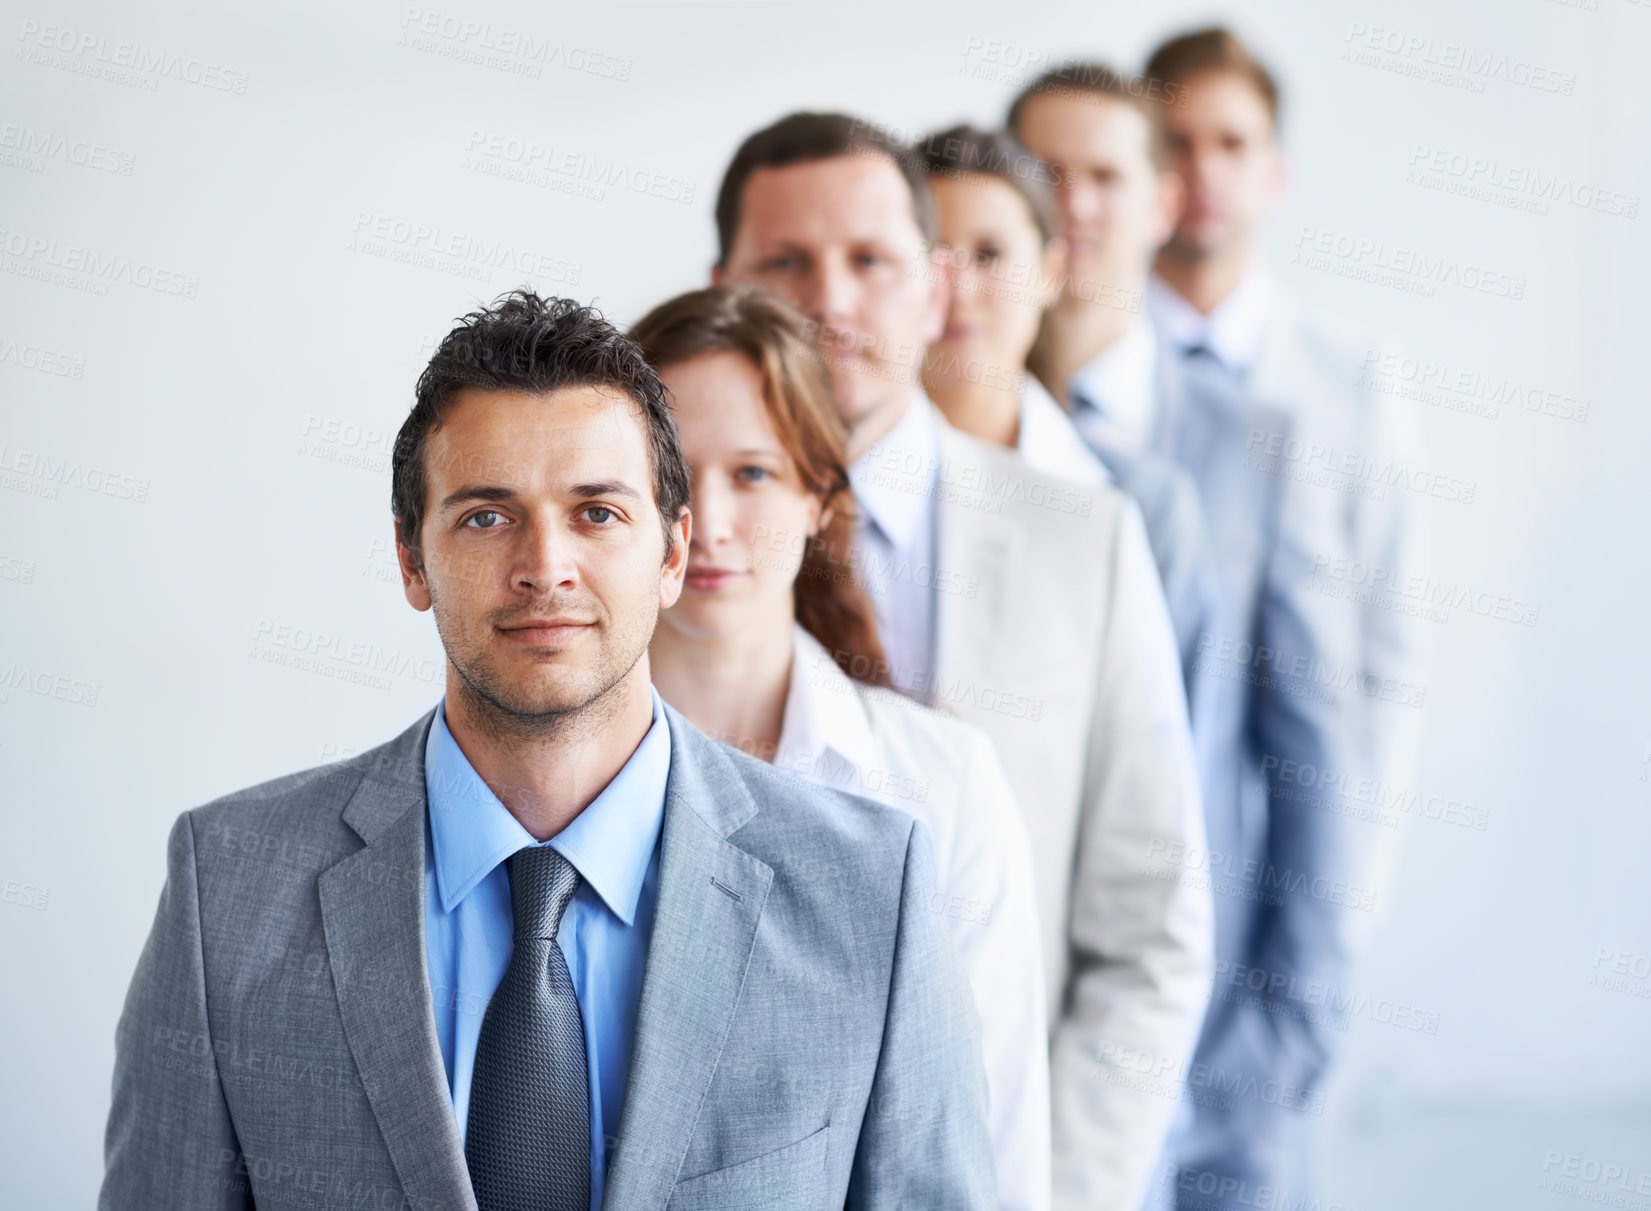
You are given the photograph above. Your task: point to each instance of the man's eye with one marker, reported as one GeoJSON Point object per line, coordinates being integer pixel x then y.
{"type": "Point", "coordinates": [776, 264]}
{"type": "Point", "coordinates": [485, 519]}
{"type": "Point", "coordinates": [605, 512]}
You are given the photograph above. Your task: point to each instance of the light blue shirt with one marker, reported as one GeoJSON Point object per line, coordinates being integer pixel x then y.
{"type": "Point", "coordinates": [895, 482]}
{"type": "Point", "coordinates": [1234, 329]}
{"type": "Point", "coordinates": [469, 922]}
{"type": "Point", "coordinates": [1114, 395]}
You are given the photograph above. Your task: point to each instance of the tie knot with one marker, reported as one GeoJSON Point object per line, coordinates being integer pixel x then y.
{"type": "Point", "coordinates": [542, 883]}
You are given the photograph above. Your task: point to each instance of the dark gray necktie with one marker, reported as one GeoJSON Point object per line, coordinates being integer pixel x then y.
{"type": "Point", "coordinates": [527, 1140]}
{"type": "Point", "coordinates": [1203, 359]}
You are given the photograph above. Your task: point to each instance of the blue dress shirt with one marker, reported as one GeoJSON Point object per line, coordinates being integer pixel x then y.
{"type": "Point", "coordinates": [468, 919]}
{"type": "Point", "coordinates": [895, 483]}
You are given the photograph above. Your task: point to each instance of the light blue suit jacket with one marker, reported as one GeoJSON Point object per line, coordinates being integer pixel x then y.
{"type": "Point", "coordinates": [1181, 551]}
{"type": "Point", "coordinates": [1268, 681]}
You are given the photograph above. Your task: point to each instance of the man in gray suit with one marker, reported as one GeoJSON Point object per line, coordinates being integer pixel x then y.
{"type": "Point", "coordinates": [551, 947]}
{"type": "Point", "coordinates": [1215, 302]}
{"type": "Point", "coordinates": [1026, 604]}
{"type": "Point", "coordinates": [1273, 671]}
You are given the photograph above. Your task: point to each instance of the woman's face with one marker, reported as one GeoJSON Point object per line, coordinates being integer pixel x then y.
{"type": "Point", "coordinates": [752, 516]}
{"type": "Point", "coordinates": [1003, 277]}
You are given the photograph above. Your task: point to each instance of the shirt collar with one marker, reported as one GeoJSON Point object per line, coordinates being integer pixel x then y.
{"type": "Point", "coordinates": [1050, 439]}
{"type": "Point", "coordinates": [894, 480]}
{"type": "Point", "coordinates": [610, 843]}
{"type": "Point", "coordinates": [1233, 331]}
{"type": "Point", "coordinates": [822, 712]}
{"type": "Point", "coordinates": [1119, 382]}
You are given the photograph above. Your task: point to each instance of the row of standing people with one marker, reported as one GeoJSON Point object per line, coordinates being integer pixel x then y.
{"type": "Point", "coordinates": [961, 507]}
{"type": "Point", "coordinates": [1026, 446]}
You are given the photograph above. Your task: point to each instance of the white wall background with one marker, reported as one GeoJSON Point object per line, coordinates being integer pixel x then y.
{"type": "Point", "coordinates": [254, 420]}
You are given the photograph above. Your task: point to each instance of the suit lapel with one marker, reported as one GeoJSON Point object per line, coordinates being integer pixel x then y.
{"type": "Point", "coordinates": [977, 555]}
{"type": "Point", "coordinates": [372, 911]}
{"type": "Point", "coordinates": [711, 897]}
{"type": "Point", "coordinates": [1168, 427]}
{"type": "Point", "coordinates": [1268, 381]}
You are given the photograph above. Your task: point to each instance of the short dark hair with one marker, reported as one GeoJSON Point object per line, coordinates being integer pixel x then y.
{"type": "Point", "coordinates": [802, 138]}
{"type": "Point", "coordinates": [1213, 49]}
{"type": "Point", "coordinates": [1092, 79]}
{"type": "Point", "coordinates": [966, 150]}
{"type": "Point", "coordinates": [527, 343]}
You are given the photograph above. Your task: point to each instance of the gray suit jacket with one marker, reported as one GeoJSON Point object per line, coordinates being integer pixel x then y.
{"type": "Point", "coordinates": [805, 1036]}
{"type": "Point", "coordinates": [1282, 666]}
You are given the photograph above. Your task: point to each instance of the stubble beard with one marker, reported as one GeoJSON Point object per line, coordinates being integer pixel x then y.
{"type": "Point", "coordinates": [497, 709]}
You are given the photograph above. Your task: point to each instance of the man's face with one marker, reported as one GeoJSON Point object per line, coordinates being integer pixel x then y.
{"type": "Point", "coordinates": [1222, 146]}
{"type": "Point", "coordinates": [839, 239]}
{"type": "Point", "coordinates": [544, 556]}
{"type": "Point", "coordinates": [1115, 206]}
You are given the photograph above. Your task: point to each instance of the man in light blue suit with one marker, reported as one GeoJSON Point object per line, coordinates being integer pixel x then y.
{"type": "Point", "coordinates": [551, 947]}
{"type": "Point", "coordinates": [1270, 674]}
{"type": "Point", "coordinates": [1214, 302]}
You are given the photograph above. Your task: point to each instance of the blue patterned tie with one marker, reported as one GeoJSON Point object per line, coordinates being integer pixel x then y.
{"type": "Point", "coordinates": [1200, 358]}
{"type": "Point", "coordinates": [527, 1141]}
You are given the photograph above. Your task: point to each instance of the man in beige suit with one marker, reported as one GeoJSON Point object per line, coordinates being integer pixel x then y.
{"type": "Point", "coordinates": [1028, 605]}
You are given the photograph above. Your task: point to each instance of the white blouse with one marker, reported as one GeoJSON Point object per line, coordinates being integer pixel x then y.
{"type": "Point", "coordinates": [945, 772]}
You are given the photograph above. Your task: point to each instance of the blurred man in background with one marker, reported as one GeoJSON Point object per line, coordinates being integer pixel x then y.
{"type": "Point", "coordinates": [1214, 302]}
{"type": "Point", "coordinates": [1130, 393]}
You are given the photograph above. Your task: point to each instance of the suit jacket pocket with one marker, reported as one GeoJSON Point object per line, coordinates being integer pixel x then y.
{"type": "Point", "coordinates": [792, 1176]}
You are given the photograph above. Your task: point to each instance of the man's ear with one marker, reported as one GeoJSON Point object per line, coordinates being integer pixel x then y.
{"type": "Point", "coordinates": [1168, 205]}
{"type": "Point", "coordinates": [718, 277]}
{"type": "Point", "coordinates": [1281, 172]}
{"type": "Point", "coordinates": [676, 563]}
{"type": "Point", "coordinates": [413, 583]}
{"type": "Point", "coordinates": [1055, 261]}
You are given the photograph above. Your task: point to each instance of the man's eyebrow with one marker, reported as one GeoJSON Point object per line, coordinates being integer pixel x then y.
{"type": "Point", "coordinates": [604, 487]}
{"type": "Point", "coordinates": [493, 493]}
{"type": "Point", "coordinates": [475, 492]}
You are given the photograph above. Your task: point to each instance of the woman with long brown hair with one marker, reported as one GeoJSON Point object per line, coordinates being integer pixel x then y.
{"type": "Point", "coordinates": [773, 648]}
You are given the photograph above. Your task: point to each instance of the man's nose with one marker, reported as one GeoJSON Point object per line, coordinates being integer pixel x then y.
{"type": "Point", "coordinates": [832, 292]}
{"type": "Point", "coordinates": [1082, 204]}
{"type": "Point", "coordinates": [1196, 165]}
{"type": "Point", "coordinates": [545, 558]}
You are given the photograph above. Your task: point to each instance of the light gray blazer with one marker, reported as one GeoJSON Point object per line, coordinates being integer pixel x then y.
{"type": "Point", "coordinates": [1058, 645]}
{"type": "Point", "coordinates": [805, 1036]}
{"type": "Point", "coordinates": [1308, 368]}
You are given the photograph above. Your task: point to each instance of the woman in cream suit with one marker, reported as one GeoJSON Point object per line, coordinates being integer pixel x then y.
{"type": "Point", "coordinates": [773, 648]}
